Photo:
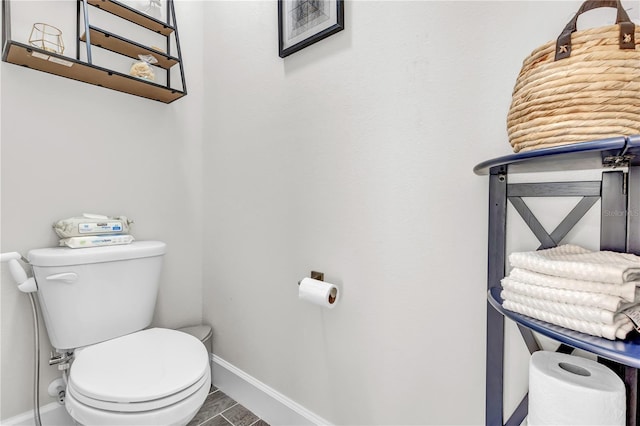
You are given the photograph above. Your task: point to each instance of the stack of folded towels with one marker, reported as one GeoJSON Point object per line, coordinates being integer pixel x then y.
{"type": "Point", "coordinates": [575, 288]}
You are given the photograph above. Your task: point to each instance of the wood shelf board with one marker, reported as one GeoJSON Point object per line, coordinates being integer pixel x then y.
{"type": "Point", "coordinates": [19, 54]}
{"type": "Point", "coordinates": [132, 15]}
{"type": "Point", "coordinates": [117, 44]}
{"type": "Point", "coordinates": [626, 352]}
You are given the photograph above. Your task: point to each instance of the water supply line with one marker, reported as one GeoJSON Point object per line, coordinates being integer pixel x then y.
{"type": "Point", "coordinates": [28, 285]}
{"type": "Point", "coordinates": [36, 362]}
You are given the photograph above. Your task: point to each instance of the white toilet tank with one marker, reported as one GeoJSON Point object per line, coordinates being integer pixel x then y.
{"type": "Point", "coordinates": [89, 295]}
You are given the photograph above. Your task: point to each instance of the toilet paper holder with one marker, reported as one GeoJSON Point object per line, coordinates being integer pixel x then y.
{"type": "Point", "coordinates": [316, 276]}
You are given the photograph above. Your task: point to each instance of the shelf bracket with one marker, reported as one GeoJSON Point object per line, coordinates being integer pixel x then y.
{"type": "Point", "coordinates": [613, 229]}
{"type": "Point", "coordinates": [633, 210]}
{"type": "Point", "coordinates": [6, 22]}
{"type": "Point", "coordinates": [86, 30]}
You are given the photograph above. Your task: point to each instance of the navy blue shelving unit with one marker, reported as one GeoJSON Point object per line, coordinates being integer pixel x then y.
{"type": "Point", "coordinates": [618, 190]}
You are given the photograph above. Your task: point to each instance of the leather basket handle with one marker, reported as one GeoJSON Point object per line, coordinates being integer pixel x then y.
{"type": "Point", "coordinates": [627, 28]}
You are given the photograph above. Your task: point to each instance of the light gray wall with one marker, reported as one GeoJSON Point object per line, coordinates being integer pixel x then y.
{"type": "Point", "coordinates": [354, 157]}
{"type": "Point", "coordinates": [68, 148]}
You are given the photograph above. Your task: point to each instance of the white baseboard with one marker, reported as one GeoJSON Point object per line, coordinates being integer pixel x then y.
{"type": "Point", "coordinates": [50, 414]}
{"type": "Point", "coordinates": [264, 401]}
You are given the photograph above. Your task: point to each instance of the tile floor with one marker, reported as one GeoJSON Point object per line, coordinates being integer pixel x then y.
{"type": "Point", "coordinates": [221, 410]}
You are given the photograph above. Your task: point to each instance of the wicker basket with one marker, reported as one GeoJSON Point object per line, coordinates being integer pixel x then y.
{"type": "Point", "coordinates": [583, 86]}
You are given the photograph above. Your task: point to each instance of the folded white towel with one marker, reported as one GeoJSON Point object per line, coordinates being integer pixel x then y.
{"type": "Point", "coordinates": [574, 297]}
{"type": "Point", "coordinates": [575, 262]}
{"type": "Point", "coordinates": [627, 291]}
{"type": "Point", "coordinates": [619, 329]}
{"type": "Point", "coordinates": [586, 313]}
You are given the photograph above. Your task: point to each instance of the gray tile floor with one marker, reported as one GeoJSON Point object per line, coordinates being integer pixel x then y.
{"type": "Point", "coordinates": [221, 410]}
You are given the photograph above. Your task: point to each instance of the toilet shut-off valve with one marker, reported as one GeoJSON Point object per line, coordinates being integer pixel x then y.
{"type": "Point", "coordinates": [57, 389]}
{"type": "Point", "coordinates": [62, 360]}
{"type": "Point", "coordinates": [25, 284]}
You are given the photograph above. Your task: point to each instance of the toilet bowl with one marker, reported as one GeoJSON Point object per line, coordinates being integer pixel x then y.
{"type": "Point", "coordinates": [151, 377]}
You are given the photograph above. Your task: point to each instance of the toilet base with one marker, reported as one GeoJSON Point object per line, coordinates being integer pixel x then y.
{"type": "Point", "coordinates": [178, 414]}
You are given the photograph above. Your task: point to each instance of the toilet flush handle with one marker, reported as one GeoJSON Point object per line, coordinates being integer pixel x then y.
{"type": "Point", "coordinates": [67, 277]}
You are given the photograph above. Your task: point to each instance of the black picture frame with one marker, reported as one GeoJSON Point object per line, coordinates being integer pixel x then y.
{"type": "Point", "coordinates": [302, 23]}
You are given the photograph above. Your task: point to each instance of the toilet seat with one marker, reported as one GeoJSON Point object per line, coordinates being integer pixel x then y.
{"type": "Point", "coordinates": [134, 407]}
{"type": "Point", "coordinates": [146, 370]}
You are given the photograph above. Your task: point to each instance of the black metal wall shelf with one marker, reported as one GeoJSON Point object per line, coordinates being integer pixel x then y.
{"type": "Point", "coordinates": [618, 190]}
{"type": "Point", "coordinates": [121, 45]}
{"type": "Point", "coordinates": [85, 70]}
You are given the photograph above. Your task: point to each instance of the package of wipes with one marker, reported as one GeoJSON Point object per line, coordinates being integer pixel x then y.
{"type": "Point", "coordinates": [92, 224]}
{"type": "Point", "coordinates": [96, 241]}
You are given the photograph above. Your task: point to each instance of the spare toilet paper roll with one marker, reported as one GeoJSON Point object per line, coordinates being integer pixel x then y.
{"type": "Point", "coordinates": [570, 390]}
{"type": "Point", "coordinates": [318, 292]}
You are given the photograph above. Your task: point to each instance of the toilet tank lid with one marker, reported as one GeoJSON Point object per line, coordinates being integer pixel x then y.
{"type": "Point", "coordinates": [65, 256]}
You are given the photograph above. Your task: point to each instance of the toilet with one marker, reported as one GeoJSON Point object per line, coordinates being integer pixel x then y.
{"type": "Point", "coordinates": [97, 304]}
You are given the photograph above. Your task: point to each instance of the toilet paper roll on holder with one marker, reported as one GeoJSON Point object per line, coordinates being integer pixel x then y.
{"type": "Point", "coordinates": [315, 275]}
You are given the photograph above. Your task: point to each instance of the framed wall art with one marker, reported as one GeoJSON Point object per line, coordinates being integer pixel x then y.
{"type": "Point", "coordinates": [304, 22]}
